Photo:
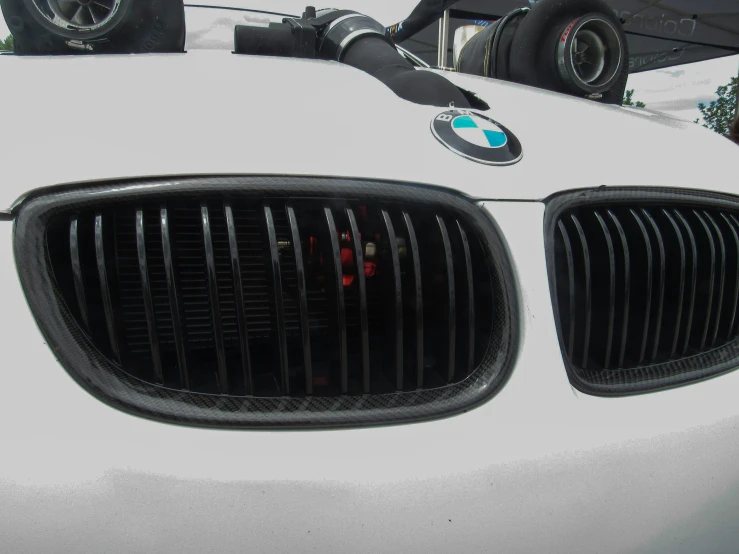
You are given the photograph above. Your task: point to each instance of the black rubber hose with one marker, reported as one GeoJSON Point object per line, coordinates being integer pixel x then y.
{"type": "Point", "coordinates": [375, 56]}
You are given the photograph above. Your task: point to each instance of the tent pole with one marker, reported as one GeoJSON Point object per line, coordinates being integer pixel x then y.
{"type": "Point", "coordinates": [443, 43]}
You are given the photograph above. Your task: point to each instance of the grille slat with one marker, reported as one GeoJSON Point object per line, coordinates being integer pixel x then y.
{"type": "Point", "coordinates": [679, 298]}
{"type": "Point", "coordinates": [79, 285]}
{"type": "Point", "coordinates": [642, 285]}
{"type": "Point", "coordinates": [661, 283]}
{"type": "Point", "coordinates": [397, 295]}
{"type": "Point", "coordinates": [611, 288]}
{"type": "Point", "coordinates": [178, 330]}
{"type": "Point", "coordinates": [215, 307]}
{"type": "Point", "coordinates": [334, 258]}
{"type": "Point", "coordinates": [277, 295]}
{"type": "Point", "coordinates": [151, 323]}
{"type": "Point", "coordinates": [418, 288]}
{"type": "Point", "coordinates": [712, 269]}
{"type": "Point", "coordinates": [721, 278]}
{"type": "Point", "coordinates": [735, 300]}
{"type": "Point", "coordinates": [570, 337]}
{"type": "Point", "coordinates": [588, 290]}
{"type": "Point", "coordinates": [450, 299]}
{"type": "Point", "coordinates": [105, 288]}
{"type": "Point", "coordinates": [470, 301]}
{"type": "Point", "coordinates": [647, 284]}
{"type": "Point", "coordinates": [302, 299]}
{"type": "Point", "coordinates": [362, 289]}
{"type": "Point", "coordinates": [625, 286]}
{"type": "Point", "coordinates": [693, 279]}
{"type": "Point", "coordinates": [239, 301]}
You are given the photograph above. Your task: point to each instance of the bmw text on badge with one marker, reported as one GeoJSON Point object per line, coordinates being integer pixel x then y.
{"type": "Point", "coordinates": [476, 137]}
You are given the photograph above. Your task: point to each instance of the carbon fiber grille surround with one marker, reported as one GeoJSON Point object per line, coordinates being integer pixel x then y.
{"type": "Point", "coordinates": [645, 286]}
{"type": "Point", "coordinates": [187, 301]}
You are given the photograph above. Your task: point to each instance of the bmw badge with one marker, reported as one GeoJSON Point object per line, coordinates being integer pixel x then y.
{"type": "Point", "coordinates": [476, 137]}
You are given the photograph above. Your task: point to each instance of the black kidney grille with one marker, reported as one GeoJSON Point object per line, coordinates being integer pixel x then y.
{"type": "Point", "coordinates": [268, 298]}
{"type": "Point", "coordinates": [639, 285]}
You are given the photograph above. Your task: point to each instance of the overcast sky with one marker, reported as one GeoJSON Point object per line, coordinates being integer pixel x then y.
{"type": "Point", "coordinates": [676, 90]}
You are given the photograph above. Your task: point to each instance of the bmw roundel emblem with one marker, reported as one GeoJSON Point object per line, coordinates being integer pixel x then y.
{"type": "Point", "coordinates": [476, 137]}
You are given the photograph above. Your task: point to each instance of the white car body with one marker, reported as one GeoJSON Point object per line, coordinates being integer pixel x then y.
{"type": "Point", "coordinates": [540, 467]}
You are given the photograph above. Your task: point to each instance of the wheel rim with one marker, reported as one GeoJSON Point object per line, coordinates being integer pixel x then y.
{"type": "Point", "coordinates": [589, 54]}
{"type": "Point", "coordinates": [78, 18]}
{"type": "Point", "coordinates": [85, 14]}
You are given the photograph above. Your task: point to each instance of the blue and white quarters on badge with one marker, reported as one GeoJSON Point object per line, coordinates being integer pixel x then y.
{"type": "Point", "coordinates": [476, 137]}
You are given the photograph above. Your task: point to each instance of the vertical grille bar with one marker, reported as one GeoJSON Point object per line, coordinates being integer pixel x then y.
{"type": "Point", "coordinates": [303, 299]}
{"type": "Point", "coordinates": [243, 330]}
{"type": "Point", "coordinates": [712, 270]}
{"type": "Point", "coordinates": [215, 307]}
{"type": "Point", "coordinates": [340, 305]}
{"type": "Point", "coordinates": [276, 275]}
{"type": "Point", "coordinates": [451, 297]}
{"type": "Point", "coordinates": [418, 288]}
{"type": "Point", "coordinates": [362, 286]}
{"type": "Point", "coordinates": [735, 301]}
{"type": "Point", "coordinates": [722, 276]}
{"type": "Point", "coordinates": [627, 286]}
{"type": "Point", "coordinates": [79, 284]}
{"type": "Point", "coordinates": [151, 323]}
{"type": "Point", "coordinates": [693, 279]}
{"type": "Point", "coordinates": [470, 299]}
{"type": "Point", "coordinates": [611, 289]}
{"type": "Point", "coordinates": [570, 288]}
{"type": "Point", "coordinates": [105, 287]}
{"type": "Point", "coordinates": [681, 287]}
{"type": "Point", "coordinates": [588, 289]}
{"type": "Point", "coordinates": [661, 287]}
{"type": "Point", "coordinates": [650, 272]}
{"type": "Point", "coordinates": [174, 301]}
{"type": "Point", "coordinates": [397, 299]}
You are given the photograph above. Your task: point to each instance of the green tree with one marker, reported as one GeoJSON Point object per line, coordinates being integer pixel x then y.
{"type": "Point", "coordinates": [7, 44]}
{"type": "Point", "coordinates": [629, 100]}
{"type": "Point", "coordinates": [720, 113]}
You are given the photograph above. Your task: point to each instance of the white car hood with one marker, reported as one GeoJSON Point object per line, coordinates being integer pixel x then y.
{"type": "Point", "coordinates": [82, 119]}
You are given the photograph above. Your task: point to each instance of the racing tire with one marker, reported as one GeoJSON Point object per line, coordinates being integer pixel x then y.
{"type": "Point", "coordinates": [95, 26]}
